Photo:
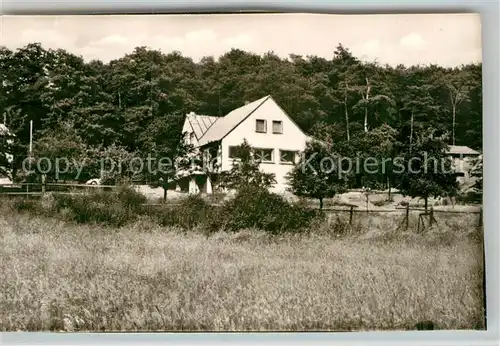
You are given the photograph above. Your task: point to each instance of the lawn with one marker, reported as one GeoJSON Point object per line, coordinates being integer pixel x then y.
{"type": "Point", "coordinates": [60, 276]}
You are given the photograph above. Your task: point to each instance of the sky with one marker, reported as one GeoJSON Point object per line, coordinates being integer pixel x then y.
{"type": "Point", "coordinates": [409, 39]}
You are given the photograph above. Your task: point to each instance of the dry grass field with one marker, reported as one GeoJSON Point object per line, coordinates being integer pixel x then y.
{"type": "Point", "coordinates": [63, 277]}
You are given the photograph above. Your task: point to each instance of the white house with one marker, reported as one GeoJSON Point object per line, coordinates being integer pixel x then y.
{"type": "Point", "coordinates": [275, 137]}
{"type": "Point", "coordinates": [463, 160]}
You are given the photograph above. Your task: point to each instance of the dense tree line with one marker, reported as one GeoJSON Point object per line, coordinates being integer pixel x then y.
{"type": "Point", "coordinates": [137, 103]}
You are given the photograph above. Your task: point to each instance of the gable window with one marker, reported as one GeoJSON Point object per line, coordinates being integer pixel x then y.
{"type": "Point", "coordinates": [233, 152]}
{"type": "Point", "coordinates": [277, 126]}
{"type": "Point", "coordinates": [264, 155]}
{"type": "Point", "coordinates": [287, 156]}
{"type": "Point", "coordinates": [260, 126]}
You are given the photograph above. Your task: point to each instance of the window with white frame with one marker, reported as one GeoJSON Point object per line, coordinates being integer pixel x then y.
{"type": "Point", "coordinates": [261, 126]}
{"type": "Point", "coordinates": [264, 155]}
{"type": "Point", "coordinates": [277, 126]}
{"type": "Point", "coordinates": [287, 156]}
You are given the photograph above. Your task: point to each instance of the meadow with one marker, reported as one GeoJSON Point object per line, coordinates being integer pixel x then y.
{"type": "Point", "coordinates": [63, 276]}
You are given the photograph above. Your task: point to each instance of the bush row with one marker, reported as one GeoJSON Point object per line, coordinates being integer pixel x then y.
{"type": "Point", "coordinates": [251, 208]}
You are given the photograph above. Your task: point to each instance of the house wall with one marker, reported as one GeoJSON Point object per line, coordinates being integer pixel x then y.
{"type": "Point", "coordinates": [212, 156]}
{"type": "Point", "coordinates": [463, 164]}
{"type": "Point", "coordinates": [292, 138]}
{"type": "Point", "coordinates": [191, 184]}
{"type": "Point", "coordinates": [190, 137]}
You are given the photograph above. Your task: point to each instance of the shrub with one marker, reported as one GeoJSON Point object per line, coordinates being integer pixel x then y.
{"type": "Point", "coordinates": [216, 197]}
{"type": "Point", "coordinates": [27, 205]}
{"type": "Point", "coordinates": [470, 197]}
{"type": "Point", "coordinates": [112, 208]}
{"type": "Point", "coordinates": [258, 208]}
{"type": "Point", "coordinates": [130, 197]}
{"type": "Point", "coordinates": [192, 211]}
{"type": "Point", "coordinates": [252, 208]}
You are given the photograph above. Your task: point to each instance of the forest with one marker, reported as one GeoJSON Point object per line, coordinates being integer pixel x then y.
{"type": "Point", "coordinates": [137, 104]}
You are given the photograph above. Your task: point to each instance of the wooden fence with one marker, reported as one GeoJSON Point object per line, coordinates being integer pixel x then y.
{"type": "Point", "coordinates": [38, 189]}
{"type": "Point", "coordinates": [426, 218]}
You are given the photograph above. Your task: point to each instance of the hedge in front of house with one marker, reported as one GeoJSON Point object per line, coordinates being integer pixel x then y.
{"type": "Point", "coordinates": [258, 208]}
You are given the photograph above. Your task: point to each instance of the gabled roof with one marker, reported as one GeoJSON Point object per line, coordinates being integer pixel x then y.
{"type": "Point", "coordinates": [200, 123]}
{"type": "Point", "coordinates": [226, 124]}
{"type": "Point", "coordinates": [461, 149]}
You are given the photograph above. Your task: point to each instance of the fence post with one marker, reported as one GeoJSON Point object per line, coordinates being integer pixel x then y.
{"type": "Point", "coordinates": [43, 184]}
{"type": "Point", "coordinates": [480, 222]}
{"type": "Point", "coordinates": [351, 212]}
{"type": "Point", "coordinates": [407, 219]}
{"type": "Point", "coordinates": [431, 216]}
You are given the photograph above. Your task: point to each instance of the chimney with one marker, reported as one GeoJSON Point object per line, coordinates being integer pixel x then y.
{"type": "Point", "coordinates": [191, 113]}
{"type": "Point", "coordinates": [247, 102]}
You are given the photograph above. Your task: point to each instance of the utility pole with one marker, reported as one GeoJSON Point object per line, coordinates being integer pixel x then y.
{"type": "Point", "coordinates": [31, 136]}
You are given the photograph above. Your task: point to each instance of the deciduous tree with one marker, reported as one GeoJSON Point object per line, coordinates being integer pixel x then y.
{"type": "Point", "coordinates": [318, 174]}
{"type": "Point", "coordinates": [245, 171]}
{"type": "Point", "coordinates": [427, 171]}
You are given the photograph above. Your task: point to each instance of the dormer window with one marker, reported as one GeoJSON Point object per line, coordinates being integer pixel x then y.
{"type": "Point", "coordinates": [260, 126]}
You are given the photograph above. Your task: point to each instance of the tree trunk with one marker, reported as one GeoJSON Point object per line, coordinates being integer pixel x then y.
{"type": "Point", "coordinates": [165, 187]}
{"type": "Point", "coordinates": [454, 110]}
{"type": "Point", "coordinates": [411, 128]}
{"type": "Point", "coordinates": [346, 116]}
{"type": "Point", "coordinates": [368, 88]}
{"type": "Point", "coordinates": [321, 203]}
{"type": "Point", "coordinates": [44, 186]}
{"type": "Point", "coordinates": [366, 119]}
{"type": "Point", "coordinates": [150, 96]}
{"type": "Point", "coordinates": [389, 188]}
